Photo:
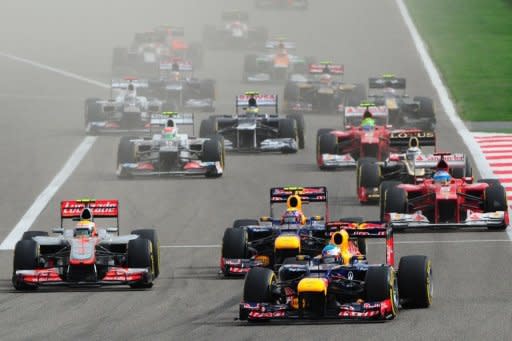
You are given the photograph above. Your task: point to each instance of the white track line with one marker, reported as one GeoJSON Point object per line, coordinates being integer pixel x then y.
{"type": "Point", "coordinates": [449, 107]}
{"type": "Point", "coordinates": [74, 160]}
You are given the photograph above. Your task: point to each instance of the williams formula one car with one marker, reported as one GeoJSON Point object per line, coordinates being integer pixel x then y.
{"type": "Point", "coordinates": [340, 284]}
{"type": "Point", "coordinates": [86, 255]}
{"type": "Point", "coordinates": [254, 131]}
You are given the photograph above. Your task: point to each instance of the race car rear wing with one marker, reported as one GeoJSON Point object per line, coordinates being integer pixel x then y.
{"type": "Point", "coordinates": [335, 69]}
{"type": "Point", "coordinates": [182, 66]}
{"type": "Point", "coordinates": [262, 100]}
{"type": "Point", "coordinates": [386, 82]}
{"type": "Point", "coordinates": [308, 194]}
{"type": "Point", "coordinates": [400, 139]}
{"type": "Point", "coordinates": [122, 84]}
{"type": "Point", "coordinates": [274, 44]}
{"type": "Point", "coordinates": [100, 208]}
{"type": "Point", "coordinates": [158, 121]}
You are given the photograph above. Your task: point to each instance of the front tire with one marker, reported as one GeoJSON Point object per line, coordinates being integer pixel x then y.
{"type": "Point", "coordinates": [415, 281]}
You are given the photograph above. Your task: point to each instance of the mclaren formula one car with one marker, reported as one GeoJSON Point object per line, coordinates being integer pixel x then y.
{"type": "Point", "coordinates": [170, 153]}
{"type": "Point", "coordinates": [404, 112]}
{"type": "Point", "coordinates": [86, 255]}
{"type": "Point", "coordinates": [322, 90]}
{"type": "Point", "coordinates": [343, 148]}
{"type": "Point", "coordinates": [248, 244]}
{"type": "Point", "coordinates": [234, 32]}
{"type": "Point", "coordinates": [127, 112]}
{"type": "Point", "coordinates": [281, 4]}
{"type": "Point", "coordinates": [254, 131]}
{"type": "Point", "coordinates": [446, 202]}
{"type": "Point", "coordinates": [340, 284]}
{"type": "Point", "coordinates": [278, 64]}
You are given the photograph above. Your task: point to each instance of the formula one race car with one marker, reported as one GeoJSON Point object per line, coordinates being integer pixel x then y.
{"type": "Point", "coordinates": [169, 153]}
{"type": "Point", "coordinates": [248, 244]}
{"type": "Point", "coordinates": [339, 283]}
{"type": "Point", "coordinates": [410, 167]}
{"type": "Point", "coordinates": [323, 90]}
{"type": "Point", "coordinates": [278, 64]}
{"type": "Point", "coordinates": [86, 255]}
{"type": "Point", "coordinates": [366, 134]}
{"type": "Point", "coordinates": [254, 130]}
{"type": "Point", "coordinates": [281, 4]}
{"type": "Point", "coordinates": [234, 32]}
{"type": "Point", "coordinates": [446, 202]}
{"type": "Point", "coordinates": [127, 112]}
{"type": "Point", "coordinates": [180, 90]}
{"type": "Point", "coordinates": [404, 112]}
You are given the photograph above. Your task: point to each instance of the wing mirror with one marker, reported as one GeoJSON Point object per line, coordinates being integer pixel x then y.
{"type": "Point", "coordinates": [317, 218]}
{"type": "Point", "coordinates": [265, 219]}
{"type": "Point", "coordinates": [303, 257]}
{"type": "Point", "coordinates": [59, 230]}
{"type": "Point", "coordinates": [112, 229]}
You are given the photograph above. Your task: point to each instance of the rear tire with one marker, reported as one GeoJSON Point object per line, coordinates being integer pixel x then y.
{"type": "Point", "coordinates": [415, 281]}
{"type": "Point", "coordinates": [234, 244]}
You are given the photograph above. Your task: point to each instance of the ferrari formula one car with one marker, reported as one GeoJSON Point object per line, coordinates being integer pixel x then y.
{"type": "Point", "coordinates": [127, 112]}
{"type": "Point", "coordinates": [248, 244]}
{"type": "Point", "coordinates": [404, 112]}
{"type": "Point", "coordinates": [169, 153]}
{"type": "Point", "coordinates": [323, 90]}
{"type": "Point", "coordinates": [254, 131]}
{"type": "Point", "coordinates": [446, 202]}
{"type": "Point", "coordinates": [278, 64]}
{"type": "Point", "coordinates": [343, 148]}
{"type": "Point", "coordinates": [234, 32]}
{"type": "Point", "coordinates": [86, 255]}
{"type": "Point", "coordinates": [339, 284]}
{"type": "Point", "coordinates": [281, 4]}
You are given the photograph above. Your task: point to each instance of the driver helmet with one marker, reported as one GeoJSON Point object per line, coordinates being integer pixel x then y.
{"type": "Point", "coordinates": [85, 228]}
{"type": "Point", "coordinates": [325, 78]}
{"type": "Point", "coordinates": [442, 177]}
{"type": "Point", "coordinates": [291, 217]}
{"type": "Point", "coordinates": [169, 133]}
{"type": "Point", "coordinates": [331, 254]}
{"type": "Point", "coordinates": [175, 75]}
{"type": "Point", "coordinates": [412, 152]}
{"type": "Point", "coordinates": [368, 124]}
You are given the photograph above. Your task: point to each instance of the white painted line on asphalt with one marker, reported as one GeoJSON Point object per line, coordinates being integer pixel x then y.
{"type": "Point", "coordinates": [55, 70]}
{"type": "Point", "coordinates": [47, 194]}
{"type": "Point", "coordinates": [449, 107]}
{"type": "Point", "coordinates": [192, 246]}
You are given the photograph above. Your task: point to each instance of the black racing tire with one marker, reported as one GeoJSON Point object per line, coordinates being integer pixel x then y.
{"type": "Point", "coordinates": [126, 150]}
{"type": "Point", "coordinates": [287, 128]}
{"type": "Point", "coordinates": [258, 285]}
{"type": "Point", "coordinates": [496, 200]}
{"type": "Point", "coordinates": [364, 160]}
{"type": "Point", "coordinates": [395, 201]}
{"type": "Point", "coordinates": [213, 151]}
{"type": "Point", "coordinates": [244, 222]}
{"type": "Point", "coordinates": [207, 89]}
{"type": "Point", "coordinates": [92, 111]}
{"type": "Point", "coordinates": [383, 188]}
{"type": "Point", "coordinates": [234, 244]}
{"type": "Point", "coordinates": [369, 175]}
{"type": "Point", "coordinates": [381, 285]}
{"type": "Point", "coordinates": [327, 144]}
{"type": "Point", "coordinates": [152, 236]}
{"type": "Point", "coordinates": [301, 128]}
{"type": "Point", "coordinates": [27, 235]}
{"type": "Point", "coordinates": [208, 127]}
{"type": "Point", "coordinates": [322, 131]}
{"type": "Point", "coordinates": [490, 182]}
{"type": "Point", "coordinates": [140, 255]}
{"type": "Point", "coordinates": [26, 256]}
{"type": "Point", "coordinates": [415, 281]}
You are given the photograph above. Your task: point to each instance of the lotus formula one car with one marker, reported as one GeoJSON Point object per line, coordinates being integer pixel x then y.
{"type": "Point", "coordinates": [323, 90]}
{"type": "Point", "coordinates": [342, 148]}
{"type": "Point", "coordinates": [234, 32]}
{"type": "Point", "coordinates": [281, 4]}
{"type": "Point", "coordinates": [340, 283]}
{"type": "Point", "coordinates": [255, 131]}
{"type": "Point", "coordinates": [248, 244]}
{"type": "Point", "coordinates": [278, 64]}
{"type": "Point", "coordinates": [169, 153]}
{"type": "Point", "coordinates": [86, 255]}
{"type": "Point", "coordinates": [446, 202]}
{"type": "Point", "coordinates": [404, 112]}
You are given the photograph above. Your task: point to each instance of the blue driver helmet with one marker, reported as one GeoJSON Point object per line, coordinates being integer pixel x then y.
{"type": "Point", "coordinates": [442, 177]}
{"type": "Point", "coordinates": [331, 254]}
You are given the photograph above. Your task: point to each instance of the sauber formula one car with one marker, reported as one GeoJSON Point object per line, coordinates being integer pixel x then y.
{"type": "Point", "coordinates": [446, 202]}
{"type": "Point", "coordinates": [278, 64]}
{"type": "Point", "coordinates": [323, 90]}
{"type": "Point", "coordinates": [410, 167]}
{"type": "Point", "coordinates": [404, 112]}
{"type": "Point", "coordinates": [343, 148]}
{"type": "Point", "coordinates": [86, 255]}
{"type": "Point", "coordinates": [255, 131]}
{"type": "Point", "coordinates": [281, 4]}
{"type": "Point", "coordinates": [169, 153]}
{"type": "Point", "coordinates": [248, 244]}
{"type": "Point", "coordinates": [234, 32]}
{"type": "Point", "coordinates": [340, 283]}
{"type": "Point", "coordinates": [127, 112]}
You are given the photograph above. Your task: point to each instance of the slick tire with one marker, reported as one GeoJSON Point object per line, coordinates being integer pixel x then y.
{"type": "Point", "coordinates": [140, 255]}
{"type": "Point", "coordinates": [299, 120]}
{"type": "Point", "coordinates": [208, 127]}
{"type": "Point", "coordinates": [496, 200]}
{"type": "Point", "coordinates": [213, 151]}
{"type": "Point", "coordinates": [383, 188]}
{"type": "Point", "coordinates": [126, 150]}
{"type": "Point", "coordinates": [234, 244]}
{"type": "Point", "coordinates": [152, 236]}
{"type": "Point", "coordinates": [381, 285]}
{"type": "Point", "coordinates": [415, 281]}
{"type": "Point", "coordinates": [26, 255]}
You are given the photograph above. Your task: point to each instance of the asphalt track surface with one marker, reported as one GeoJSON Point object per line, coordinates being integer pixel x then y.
{"type": "Point", "coordinates": [42, 124]}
